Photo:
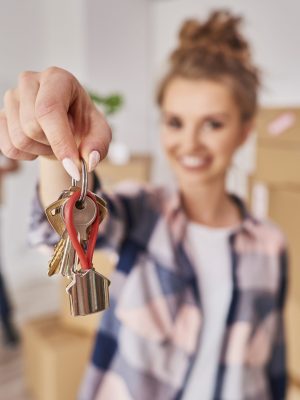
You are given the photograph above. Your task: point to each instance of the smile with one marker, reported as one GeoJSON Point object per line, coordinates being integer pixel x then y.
{"type": "Point", "coordinates": [195, 162]}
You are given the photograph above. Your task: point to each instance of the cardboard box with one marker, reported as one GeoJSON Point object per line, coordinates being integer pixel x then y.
{"type": "Point", "coordinates": [55, 359]}
{"type": "Point", "coordinates": [88, 324]}
{"type": "Point", "coordinates": [278, 145]}
{"type": "Point", "coordinates": [138, 168]}
{"type": "Point", "coordinates": [292, 324]}
{"type": "Point", "coordinates": [278, 165]}
{"type": "Point", "coordinates": [293, 393]}
{"type": "Point", "coordinates": [282, 206]}
{"type": "Point", "coordinates": [278, 126]}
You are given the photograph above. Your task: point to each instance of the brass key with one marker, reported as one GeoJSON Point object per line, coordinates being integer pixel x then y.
{"type": "Point", "coordinates": [53, 211]}
{"type": "Point", "coordinates": [55, 261]}
{"type": "Point", "coordinates": [55, 217]}
{"type": "Point", "coordinates": [68, 261]}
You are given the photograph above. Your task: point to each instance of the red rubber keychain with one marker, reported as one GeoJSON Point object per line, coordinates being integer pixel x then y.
{"type": "Point", "coordinates": [85, 258]}
{"type": "Point", "coordinates": [88, 290]}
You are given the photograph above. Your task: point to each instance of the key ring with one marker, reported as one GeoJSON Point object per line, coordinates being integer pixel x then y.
{"type": "Point", "coordinates": [85, 258]}
{"type": "Point", "coordinates": [84, 185]}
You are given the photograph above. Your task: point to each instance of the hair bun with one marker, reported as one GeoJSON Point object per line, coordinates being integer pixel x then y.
{"type": "Point", "coordinates": [215, 49]}
{"type": "Point", "coordinates": [220, 33]}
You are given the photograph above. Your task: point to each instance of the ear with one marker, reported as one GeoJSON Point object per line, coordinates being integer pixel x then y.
{"type": "Point", "coordinates": [246, 130]}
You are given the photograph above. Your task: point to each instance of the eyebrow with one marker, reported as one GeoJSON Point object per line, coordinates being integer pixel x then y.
{"type": "Point", "coordinates": [206, 116]}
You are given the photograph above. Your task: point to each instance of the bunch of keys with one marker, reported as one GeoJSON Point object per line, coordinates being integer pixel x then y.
{"type": "Point", "coordinates": [76, 217]}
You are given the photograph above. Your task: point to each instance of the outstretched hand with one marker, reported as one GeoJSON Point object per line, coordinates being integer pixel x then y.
{"type": "Point", "coordinates": [50, 114]}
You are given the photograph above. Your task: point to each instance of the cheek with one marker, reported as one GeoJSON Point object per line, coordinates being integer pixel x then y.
{"type": "Point", "coordinates": [226, 145]}
{"type": "Point", "coordinates": [169, 141]}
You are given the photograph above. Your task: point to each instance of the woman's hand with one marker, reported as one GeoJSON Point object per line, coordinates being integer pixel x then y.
{"type": "Point", "coordinates": [50, 114]}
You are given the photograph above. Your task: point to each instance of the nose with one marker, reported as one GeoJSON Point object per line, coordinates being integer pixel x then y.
{"type": "Point", "coordinates": [193, 140]}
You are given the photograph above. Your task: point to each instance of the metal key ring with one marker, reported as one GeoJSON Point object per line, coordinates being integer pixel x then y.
{"type": "Point", "coordinates": [84, 184]}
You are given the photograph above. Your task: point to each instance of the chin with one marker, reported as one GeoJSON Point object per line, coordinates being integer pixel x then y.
{"type": "Point", "coordinates": [191, 179]}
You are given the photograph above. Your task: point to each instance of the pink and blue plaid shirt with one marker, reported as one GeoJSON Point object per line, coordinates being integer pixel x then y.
{"type": "Point", "coordinates": [147, 342]}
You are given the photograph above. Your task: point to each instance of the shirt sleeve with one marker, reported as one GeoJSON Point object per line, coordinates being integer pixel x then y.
{"type": "Point", "coordinates": [277, 368]}
{"type": "Point", "coordinates": [130, 206]}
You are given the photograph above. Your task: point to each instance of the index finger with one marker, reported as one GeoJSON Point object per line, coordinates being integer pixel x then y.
{"type": "Point", "coordinates": [56, 94]}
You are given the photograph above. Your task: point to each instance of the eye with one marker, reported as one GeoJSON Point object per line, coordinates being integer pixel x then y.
{"type": "Point", "coordinates": [173, 122]}
{"type": "Point", "coordinates": [213, 124]}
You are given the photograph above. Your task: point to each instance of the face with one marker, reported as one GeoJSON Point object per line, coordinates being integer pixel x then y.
{"type": "Point", "coordinates": [201, 129]}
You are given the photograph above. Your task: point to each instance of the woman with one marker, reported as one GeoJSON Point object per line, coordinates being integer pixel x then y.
{"type": "Point", "coordinates": [198, 292]}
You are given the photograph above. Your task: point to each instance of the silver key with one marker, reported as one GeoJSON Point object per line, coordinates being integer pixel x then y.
{"type": "Point", "coordinates": [83, 218]}
{"type": "Point", "coordinates": [88, 292]}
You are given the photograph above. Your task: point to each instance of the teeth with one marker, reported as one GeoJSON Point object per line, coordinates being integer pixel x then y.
{"type": "Point", "coordinates": [193, 161]}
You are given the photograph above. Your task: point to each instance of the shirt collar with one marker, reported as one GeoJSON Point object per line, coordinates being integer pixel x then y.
{"type": "Point", "coordinates": [177, 218]}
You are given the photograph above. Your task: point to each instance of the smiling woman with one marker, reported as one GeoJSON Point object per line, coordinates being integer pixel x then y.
{"type": "Point", "coordinates": [201, 128]}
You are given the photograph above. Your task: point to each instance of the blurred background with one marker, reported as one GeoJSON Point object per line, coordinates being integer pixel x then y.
{"type": "Point", "coordinates": [121, 47]}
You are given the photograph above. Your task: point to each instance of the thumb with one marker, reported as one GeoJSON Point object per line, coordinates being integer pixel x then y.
{"type": "Point", "coordinates": [94, 145]}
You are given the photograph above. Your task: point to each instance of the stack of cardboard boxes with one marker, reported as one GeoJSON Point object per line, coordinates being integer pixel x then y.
{"type": "Point", "coordinates": [275, 193]}
{"type": "Point", "coordinates": [57, 348]}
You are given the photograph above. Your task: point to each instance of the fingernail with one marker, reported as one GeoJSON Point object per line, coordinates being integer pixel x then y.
{"type": "Point", "coordinates": [94, 159]}
{"type": "Point", "coordinates": [71, 168]}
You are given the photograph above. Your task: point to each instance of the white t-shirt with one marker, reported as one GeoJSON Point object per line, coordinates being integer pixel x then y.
{"type": "Point", "coordinates": [211, 255]}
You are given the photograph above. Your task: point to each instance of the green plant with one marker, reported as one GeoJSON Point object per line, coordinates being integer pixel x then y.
{"type": "Point", "coordinates": [111, 103]}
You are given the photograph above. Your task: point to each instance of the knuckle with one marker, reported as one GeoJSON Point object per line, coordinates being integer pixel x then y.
{"type": "Point", "coordinates": [8, 96]}
{"type": "Point", "coordinates": [46, 107]}
{"type": "Point", "coordinates": [25, 76]}
{"type": "Point", "coordinates": [58, 143]}
{"type": "Point", "coordinates": [20, 141]}
{"type": "Point", "coordinates": [54, 71]}
{"type": "Point", "coordinates": [10, 152]}
{"type": "Point", "coordinates": [32, 129]}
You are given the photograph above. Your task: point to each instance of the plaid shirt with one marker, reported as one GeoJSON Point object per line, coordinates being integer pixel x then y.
{"type": "Point", "coordinates": [147, 342]}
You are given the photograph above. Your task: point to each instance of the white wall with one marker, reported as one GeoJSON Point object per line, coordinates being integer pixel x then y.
{"type": "Point", "coordinates": [21, 40]}
{"type": "Point", "coordinates": [118, 39]}
{"type": "Point", "coordinates": [22, 47]}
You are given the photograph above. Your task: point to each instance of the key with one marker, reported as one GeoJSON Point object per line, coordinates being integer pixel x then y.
{"type": "Point", "coordinates": [55, 261]}
{"type": "Point", "coordinates": [100, 202]}
{"type": "Point", "coordinates": [102, 206]}
{"type": "Point", "coordinates": [55, 216]}
{"type": "Point", "coordinates": [88, 293]}
{"type": "Point", "coordinates": [83, 218]}
{"type": "Point", "coordinates": [53, 211]}
{"type": "Point", "coordinates": [64, 258]}
{"type": "Point", "coordinates": [67, 192]}
{"type": "Point", "coordinates": [68, 261]}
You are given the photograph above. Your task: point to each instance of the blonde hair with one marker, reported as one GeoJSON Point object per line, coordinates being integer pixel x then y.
{"type": "Point", "coordinates": [216, 50]}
